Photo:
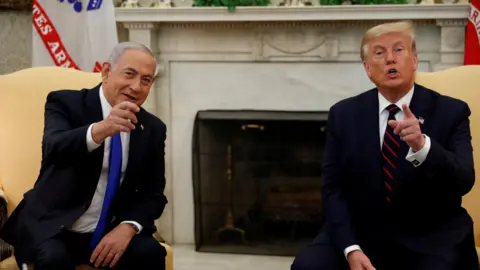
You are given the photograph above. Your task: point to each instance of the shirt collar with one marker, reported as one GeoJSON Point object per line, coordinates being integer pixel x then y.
{"type": "Point", "coordinates": [383, 102]}
{"type": "Point", "coordinates": [106, 107]}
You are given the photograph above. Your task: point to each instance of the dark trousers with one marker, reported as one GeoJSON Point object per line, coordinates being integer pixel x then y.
{"type": "Point", "coordinates": [321, 255]}
{"type": "Point", "coordinates": [69, 249]}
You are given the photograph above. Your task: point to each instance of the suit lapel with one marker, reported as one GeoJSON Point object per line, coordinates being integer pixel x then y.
{"type": "Point", "coordinates": [94, 107]}
{"type": "Point", "coordinates": [369, 127]}
{"type": "Point", "coordinates": [130, 182]}
{"type": "Point", "coordinates": [422, 103]}
{"type": "Point", "coordinates": [135, 149]}
{"type": "Point", "coordinates": [93, 114]}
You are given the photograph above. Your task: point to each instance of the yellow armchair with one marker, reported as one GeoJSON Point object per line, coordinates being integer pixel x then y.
{"type": "Point", "coordinates": [22, 99]}
{"type": "Point", "coordinates": [462, 83]}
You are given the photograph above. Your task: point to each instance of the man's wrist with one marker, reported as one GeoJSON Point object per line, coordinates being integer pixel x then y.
{"type": "Point", "coordinates": [418, 157]}
{"type": "Point", "coordinates": [130, 227]}
{"type": "Point", "coordinates": [138, 228]}
{"type": "Point", "coordinates": [91, 144]}
{"type": "Point", "coordinates": [350, 249]}
{"type": "Point", "coordinates": [421, 145]}
{"type": "Point", "coordinates": [98, 133]}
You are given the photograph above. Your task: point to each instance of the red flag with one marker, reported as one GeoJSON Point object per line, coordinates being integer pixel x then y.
{"type": "Point", "coordinates": [472, 35]}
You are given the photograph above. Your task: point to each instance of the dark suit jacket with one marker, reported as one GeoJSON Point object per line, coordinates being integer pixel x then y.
{"type": "Point", "coordinates": [425, 214]}
{"type": "Point", "coordinates": [69, 173]}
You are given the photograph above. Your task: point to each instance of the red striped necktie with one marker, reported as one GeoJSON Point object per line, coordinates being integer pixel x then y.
{"type": "Point", "coordinates": [390, 150]}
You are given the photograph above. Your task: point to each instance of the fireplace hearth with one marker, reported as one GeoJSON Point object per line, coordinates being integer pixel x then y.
{"type": "Point", "coordinates": [256, 180]}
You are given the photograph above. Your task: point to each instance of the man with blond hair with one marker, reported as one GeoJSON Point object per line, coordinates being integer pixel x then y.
{"type": "Point", "coordinates": [398, 160]}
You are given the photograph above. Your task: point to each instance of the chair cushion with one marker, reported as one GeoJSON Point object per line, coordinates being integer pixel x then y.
{"type": "Point", "coordinates": [9, 264]}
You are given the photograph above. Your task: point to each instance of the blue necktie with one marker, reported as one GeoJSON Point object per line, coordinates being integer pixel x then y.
{"type": "Point", "coordinates": [114, 173]}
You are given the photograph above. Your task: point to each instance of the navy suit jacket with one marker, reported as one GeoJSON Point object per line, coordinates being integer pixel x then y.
{"type": "Point", "coordinates": [69, 174]}
{"type": "Point", "coordinates": [425, 213]}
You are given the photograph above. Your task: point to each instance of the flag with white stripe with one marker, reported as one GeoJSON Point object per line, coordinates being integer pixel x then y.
{"type": "Point", "coordinates": [73, 33]}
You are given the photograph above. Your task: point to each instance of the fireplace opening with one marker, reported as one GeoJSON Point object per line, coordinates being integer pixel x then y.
{"type": "Point", "coordinates": [256, 180]}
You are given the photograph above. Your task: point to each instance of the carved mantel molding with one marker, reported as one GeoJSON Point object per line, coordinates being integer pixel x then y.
{"type": "Point", "coordinates": [315, 13]}
{"type": "Point", "coordinates": [280, 24]}
{"type": "Point", "coordinates": [140, 25]}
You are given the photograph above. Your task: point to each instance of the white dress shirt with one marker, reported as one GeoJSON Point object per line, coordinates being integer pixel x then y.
{"type": "Point", "coordinates": [87, 223]}
{"type": "Point", "coordinates": [416, 158]}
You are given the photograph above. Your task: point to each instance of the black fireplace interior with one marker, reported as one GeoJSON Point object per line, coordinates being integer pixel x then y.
{"type": "Point", "coordinates": [256, 179]}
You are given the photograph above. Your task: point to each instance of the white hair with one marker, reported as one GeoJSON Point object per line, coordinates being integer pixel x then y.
{"type": "Point", "coordinates": [120, 49]}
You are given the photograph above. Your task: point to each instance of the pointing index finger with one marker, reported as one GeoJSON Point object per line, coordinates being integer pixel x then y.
{"type": "Point", "coordinates": [407, 112]}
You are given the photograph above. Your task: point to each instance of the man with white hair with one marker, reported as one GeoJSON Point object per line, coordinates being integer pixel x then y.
{"type": "Point", "coordinates": [398, 160]}
{"type": "Point", "coordinates": [101, 180]}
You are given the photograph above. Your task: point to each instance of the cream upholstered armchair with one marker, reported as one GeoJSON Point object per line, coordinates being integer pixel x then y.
{"type": "Point", "coordinates": [463, 83]}
{"type": "Point", "coordinates": [23, 96]}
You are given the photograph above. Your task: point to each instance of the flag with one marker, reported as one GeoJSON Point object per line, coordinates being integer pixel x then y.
{"type": "Point", "coordinates": [73, 33]}
{"type": "Point", "coordinates": [472, 35]}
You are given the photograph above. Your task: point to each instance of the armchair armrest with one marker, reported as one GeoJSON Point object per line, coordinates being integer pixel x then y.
{"type": "Point", "coordinates": [169, 257]}
{"type": "Point", "coordinates": [158, 237]}
{"type": "Point", "coordinates": [3, 207]}
{"type": "Point", "coordinates": [6, 250]}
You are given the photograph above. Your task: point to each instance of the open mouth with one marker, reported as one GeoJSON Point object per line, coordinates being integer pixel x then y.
{"type": "Point", "coordinates": [392, 73]}
{"type": "Point", "coordinates": [130, 97]}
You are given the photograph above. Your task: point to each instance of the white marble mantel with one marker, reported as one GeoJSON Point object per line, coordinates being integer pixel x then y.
{"type": "Point", "coordinates": [275, 58]}
{"type": "Point", "coordinates": [307, 13]}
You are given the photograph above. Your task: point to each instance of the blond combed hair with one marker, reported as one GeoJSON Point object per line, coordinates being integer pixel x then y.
{"type": "Point", "coordinates": [404, 27]}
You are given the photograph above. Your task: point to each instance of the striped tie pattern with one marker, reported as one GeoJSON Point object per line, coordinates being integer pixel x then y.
{"type": "Point", "coordinates": [390, 149]}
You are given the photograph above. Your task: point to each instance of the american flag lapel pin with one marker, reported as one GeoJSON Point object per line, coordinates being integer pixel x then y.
{"type": "Point", "coordinates": [421, 120]}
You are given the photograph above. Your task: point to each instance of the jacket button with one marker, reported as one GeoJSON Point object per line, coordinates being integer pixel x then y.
{"type": "Point", "coordinates": [62, 227]}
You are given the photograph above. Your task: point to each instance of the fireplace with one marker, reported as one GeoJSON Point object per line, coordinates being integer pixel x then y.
{"type": "Point", "coordinates": [256, 180]}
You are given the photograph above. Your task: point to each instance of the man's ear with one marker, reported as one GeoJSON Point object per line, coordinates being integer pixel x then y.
{"type": "Point", "coordinates": [367, 68]}
{"type": "Point", "coordinates": [106, 69]}
{"type": "Point", "coordinates": [415, 62]}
